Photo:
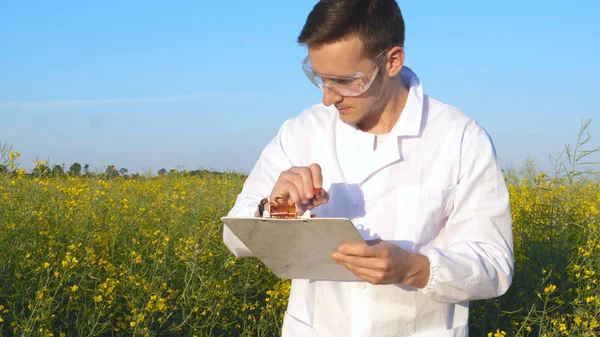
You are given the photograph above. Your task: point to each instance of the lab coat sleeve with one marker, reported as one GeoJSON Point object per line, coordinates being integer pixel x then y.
{"type": "Point", "coordinates": [259, 184]}
{"type": "Point", "coordinates": [478, 261]}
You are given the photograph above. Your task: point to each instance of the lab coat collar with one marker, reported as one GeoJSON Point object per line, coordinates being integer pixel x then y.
{"type": "Point", "coordinates": [355, 149]}
{"type": "Point", "coordinates": [409, 123]}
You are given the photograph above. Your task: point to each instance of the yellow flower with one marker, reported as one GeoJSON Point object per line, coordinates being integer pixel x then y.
{"type": "Point", "coordinates": [563, 327]}
{"type": "Point", "coordinates": [549, 289]}
{"type": "Point", "coordinates": [498, 333]}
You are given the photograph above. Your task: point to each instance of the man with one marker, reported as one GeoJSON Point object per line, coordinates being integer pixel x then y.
{"type": "Point", "coordinates": [419, 178]}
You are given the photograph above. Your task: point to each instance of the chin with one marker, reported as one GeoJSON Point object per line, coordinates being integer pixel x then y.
{"type": "Point", "coordinates": [350, 119]}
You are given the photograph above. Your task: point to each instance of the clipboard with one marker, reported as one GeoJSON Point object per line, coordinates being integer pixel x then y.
{"type": "Point", "coordinates": [297, 248]}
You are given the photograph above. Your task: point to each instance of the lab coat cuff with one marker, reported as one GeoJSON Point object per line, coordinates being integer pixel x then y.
{"type": "Point", "coordinates": [434, 268]}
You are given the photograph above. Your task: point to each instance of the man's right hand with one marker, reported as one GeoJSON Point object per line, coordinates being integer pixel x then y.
{"type": "Point", "coordinates": [297, 186]}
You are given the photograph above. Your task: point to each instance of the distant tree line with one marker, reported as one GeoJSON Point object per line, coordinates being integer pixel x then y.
{"type": "Point", "coordinates": [76, 170]}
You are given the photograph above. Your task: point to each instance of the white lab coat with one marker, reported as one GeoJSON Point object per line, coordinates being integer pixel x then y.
{"type": "Point", "coordinates": [433, 186]}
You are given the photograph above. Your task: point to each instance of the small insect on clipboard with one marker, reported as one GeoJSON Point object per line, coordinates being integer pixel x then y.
{"type": "Point", "coordinates": [295, 247]}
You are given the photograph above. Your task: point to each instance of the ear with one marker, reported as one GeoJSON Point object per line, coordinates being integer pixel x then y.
{"type": "Point", "coordinates": [395, 61]}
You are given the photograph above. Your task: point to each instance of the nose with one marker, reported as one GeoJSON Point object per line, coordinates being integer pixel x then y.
{"type": "Point", "coordinates": [330, 97]}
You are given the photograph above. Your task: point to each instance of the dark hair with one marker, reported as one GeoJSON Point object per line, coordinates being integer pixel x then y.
{"type": "Point", "coordinates": [378, 24]}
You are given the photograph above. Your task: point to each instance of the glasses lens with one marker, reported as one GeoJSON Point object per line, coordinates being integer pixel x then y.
{"type": "Point", "coordinates": [307, 68]}
{"type": "Point", "coordinates": [352, 86]}
{"type": "Point", "coordinates": [345, 86]}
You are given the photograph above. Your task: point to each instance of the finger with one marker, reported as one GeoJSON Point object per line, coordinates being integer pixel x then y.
{"type": "Point", "coordinates": [289, 186]}
{"type": "Point", "coordinates": [298, 181]}
{"type": "Point", "coordinates": [360, 250]}
{"type": "Point", "coordinates": [307, 183]}
{"type": "Point", "coordinates": [293, 193]}
{"type": "Point", "coordinates": [317, 175]}
{"type": "Point", "coordinates": [363, 262]}
{"type": "Point", "coordinates": [286, 190]}
{"type": "Point", "coordinates": [281, 187]}
{"type": "Point", "coordinates": [369, 275]}
{"type": "Point", "coordinates": [321, 198]}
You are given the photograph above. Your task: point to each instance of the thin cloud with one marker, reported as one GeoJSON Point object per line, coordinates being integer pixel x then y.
{"type": "Point", "coordinates": [93, 102]}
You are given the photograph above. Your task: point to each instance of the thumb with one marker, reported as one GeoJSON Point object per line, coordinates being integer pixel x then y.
{"type": "Point", "coordinates": [321, 197]}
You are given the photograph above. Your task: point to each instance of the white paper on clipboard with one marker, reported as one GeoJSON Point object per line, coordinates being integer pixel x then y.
{"type": "Point", "coordinates": [297, 248]}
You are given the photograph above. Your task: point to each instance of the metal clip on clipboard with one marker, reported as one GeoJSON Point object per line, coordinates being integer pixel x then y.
{"type": "Point", "coordinates": [282, 210]}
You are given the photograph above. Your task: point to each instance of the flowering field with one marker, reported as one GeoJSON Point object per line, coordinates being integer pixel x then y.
{"type": "Point", "coordinates": [108, 256]}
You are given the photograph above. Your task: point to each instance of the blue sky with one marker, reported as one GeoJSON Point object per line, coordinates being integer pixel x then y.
{"type": "Point", "coordinates": [206, 84]}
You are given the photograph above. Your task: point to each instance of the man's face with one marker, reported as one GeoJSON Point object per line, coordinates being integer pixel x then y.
{"type": "Point", "coordinates": [342, 59]}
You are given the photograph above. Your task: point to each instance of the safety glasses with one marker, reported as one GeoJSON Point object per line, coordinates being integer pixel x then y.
{"type": "Point", "coordinates": [350, 85]}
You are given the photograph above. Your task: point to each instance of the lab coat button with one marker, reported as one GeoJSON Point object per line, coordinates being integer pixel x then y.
{"type": "Point", "coordinates": [368, 206]}
{"type": "Point", "coordinates": [362, 285]}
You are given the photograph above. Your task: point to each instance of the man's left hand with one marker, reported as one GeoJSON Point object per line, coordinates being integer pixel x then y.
{"type": "Point", "coordinates": [381, 262]}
